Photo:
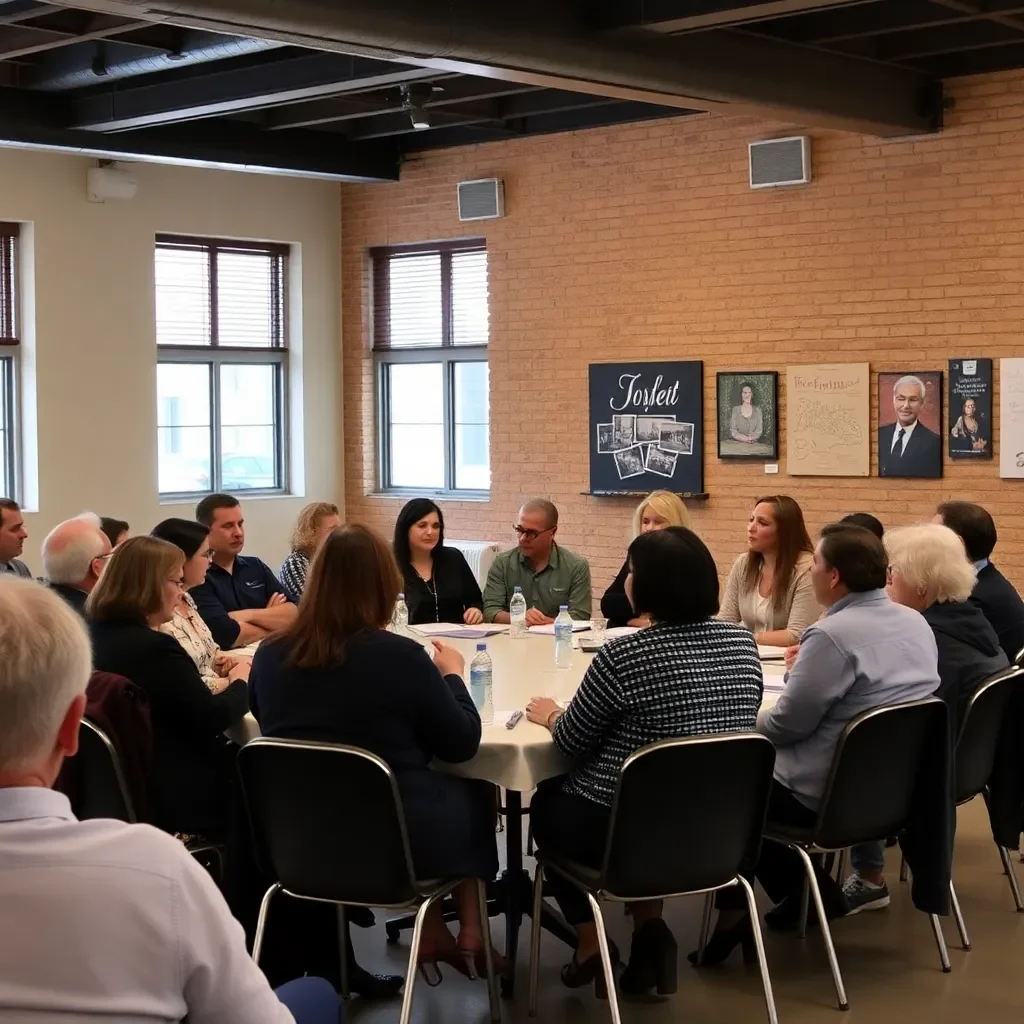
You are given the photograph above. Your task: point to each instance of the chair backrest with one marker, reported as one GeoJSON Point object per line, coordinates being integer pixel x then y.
{"type": "Point", "coordinates": [327, 819]}
{"type": "Point", "coordinates": [1019, 660]}
{"type": "Point", "coordinates": [870, 788]}
{"type": "Point", "coordinates": [687, 813]}
{"type": "Point", "coordinates": [979, 732]}
{"type": "Point", "coordinates": [101, 790]}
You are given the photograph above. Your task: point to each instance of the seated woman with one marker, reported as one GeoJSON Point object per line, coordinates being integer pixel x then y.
{"type": "Point", "coordinates": [187, 626]}
{"type": "Point", "coordinates": [929, 572]}
{"type": "Point", "coordinates": [192, 781]}
{"type": "Point", "coordinates": [769, 588]}
{"type": "Point", "coordinates": [337, 675]}
{"type": "Point", "coordinates": [688, 674]}
{"type": "Point", "coordinates": [312, 526]}
{"type": "Point", "coordinates": [658, 510]}
{"type": "Point", "coordinates": [439, 584]}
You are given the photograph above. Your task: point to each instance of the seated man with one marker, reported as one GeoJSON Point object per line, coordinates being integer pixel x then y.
{"type": "Point", "coordinates": [241, 600]}
{"type": "Point", "coordinates": [74, 554]}
{"type": "Point", "coordinates": [993, 593]}
{"type": "Point", "coordinates": [113, 921]}
{"type": "Point", "coordinates": [549, 575]}
{"type": "Point", "coordinates": [12, 538]}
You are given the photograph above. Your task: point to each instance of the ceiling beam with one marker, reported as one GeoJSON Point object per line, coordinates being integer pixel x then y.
{"type": "Point", "coordinates": [674, 16]}
{"type": "Point", "coordinates": [22, 40]}
{"type": "Point", "coordinates": [24, 10]}
{"type": "Point", "coordinates": [983, 11]}
{"type": "Point", "coordinates": [217, 93]}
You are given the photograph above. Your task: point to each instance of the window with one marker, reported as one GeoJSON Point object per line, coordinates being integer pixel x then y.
{"type": "Point", "coordinates": [9, 330]}
{"type": "Point", "coordinates": [221, 365]}
{"type": "Point", "coordinates": [430, 333]}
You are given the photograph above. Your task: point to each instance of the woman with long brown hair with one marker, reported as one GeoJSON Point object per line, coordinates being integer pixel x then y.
{"type": "Point", "coordinates": [336, 675]}
{"type": "Point", "coordinates": [769, 588]}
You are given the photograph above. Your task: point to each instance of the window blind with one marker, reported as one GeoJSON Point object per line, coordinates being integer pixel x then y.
{"type": "Point", "coordinates": [8, 275]}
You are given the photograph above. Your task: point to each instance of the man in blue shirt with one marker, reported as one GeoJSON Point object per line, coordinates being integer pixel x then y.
{"type": "Point", "coordinates": [241, 600]}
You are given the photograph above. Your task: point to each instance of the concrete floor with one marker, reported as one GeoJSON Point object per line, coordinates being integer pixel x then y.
{"type": "Point", "coordinates": [888, 958]}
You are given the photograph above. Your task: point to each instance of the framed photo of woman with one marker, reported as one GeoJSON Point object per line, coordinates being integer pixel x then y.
{"type": "Point", "coordinates": [748, 418]}
{"type": "Point", "coordinates": [970, 409]}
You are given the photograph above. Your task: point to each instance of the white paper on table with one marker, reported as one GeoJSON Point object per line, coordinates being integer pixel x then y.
{"type": "Point", "coordinates": [617, 631]}
{"type": "Point", "coordinates": [771, 653]}
{"type": "Point", "coordinates": [549, 629]}
{"type": "Point", "coordinates": [433, 628]}
{"type": "Point", "coordinates": [774, 684]}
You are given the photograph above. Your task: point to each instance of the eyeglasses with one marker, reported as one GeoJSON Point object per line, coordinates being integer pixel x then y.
{"type": "Point", "coordinates": [530, 534]}
{"type": "Point", "coordinates": [177, 582]}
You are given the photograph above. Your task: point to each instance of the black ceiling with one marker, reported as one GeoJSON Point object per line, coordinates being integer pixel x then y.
{"type": "Point", "coordinates": [132, 84]}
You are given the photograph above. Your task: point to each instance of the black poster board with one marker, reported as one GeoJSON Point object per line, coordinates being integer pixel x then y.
{"type": "Point", "coordinates": [646, 427]}
{"type": "Point", "coordinates": [969, 433]}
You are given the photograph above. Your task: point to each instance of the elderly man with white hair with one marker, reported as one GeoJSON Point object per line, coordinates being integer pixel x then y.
{"type": "Point", "coordinates": [103, 920]}
{"type": "Point", "coordinates": [74, 554]}
{"type": "Point", "coordinates": [907, 447]}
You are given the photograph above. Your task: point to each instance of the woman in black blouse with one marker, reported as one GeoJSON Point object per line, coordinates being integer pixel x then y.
{"type": "Point", "coordinates": [439, 584]}
{"type": "Point", "coordinates": [338, 676]}
{"type": "Point", "coordinates": [191, 785]}
{"type": "Point", "coordinates": [687, 674]}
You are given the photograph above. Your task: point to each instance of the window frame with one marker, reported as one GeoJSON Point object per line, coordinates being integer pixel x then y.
{"type": "Point", "coordinates": [214, 356]}
{"type": "Point", "coordinates": [10, 364]}
{"type": "Point", "coordinates": [448, 354]}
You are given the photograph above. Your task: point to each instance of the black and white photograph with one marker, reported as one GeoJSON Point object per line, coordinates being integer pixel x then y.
{"type": "Point", "coordinates": [661, 462]}
{"type": "Point", "coordinates": [606, 442]}
{"type": "Point", "coordinates": [747, 416]}
{"type": "Point", "coordinates": [630, 462]}
{"type": "Point", "coordinates": [677, 438]}
{"type": "Point", "coordinates": [623, 431]}
{"type": "Point", "coordinates": [648, 428]}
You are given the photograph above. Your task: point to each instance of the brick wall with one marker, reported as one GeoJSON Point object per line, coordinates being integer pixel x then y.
{"type": "Point", "coordinates": [645, 242]}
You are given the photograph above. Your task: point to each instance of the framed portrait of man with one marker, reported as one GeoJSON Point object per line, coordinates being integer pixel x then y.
{"type": "Point", "coordinates": [748, 405]}
{"type": "Point", "coordinates": [910, 424]}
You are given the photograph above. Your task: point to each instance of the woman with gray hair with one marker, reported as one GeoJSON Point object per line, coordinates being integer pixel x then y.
{"type": "Point", "coordinates": [928, 571]}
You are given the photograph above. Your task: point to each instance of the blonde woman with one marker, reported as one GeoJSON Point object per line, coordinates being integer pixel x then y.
{"type": "Point", "coordinates": [314, 523]}
{"type": "Point", "coordinates": [658, 510]}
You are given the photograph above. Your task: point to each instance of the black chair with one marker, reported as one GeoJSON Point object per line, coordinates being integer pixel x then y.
{"type": "Point", "coordinates": [868, 796]}
{"type": "Point", "coordinates": [328, 822]}
{"type": "Point", "coordinates": [103, 791]}
{"type": "Point", "coordinates": [687, 814]}
{"type": "Point", "coordinates": [1018, 662]}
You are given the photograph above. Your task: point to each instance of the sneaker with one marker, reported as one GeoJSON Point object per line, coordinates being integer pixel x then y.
{"type": "Point", "coordinates": [862, 895]}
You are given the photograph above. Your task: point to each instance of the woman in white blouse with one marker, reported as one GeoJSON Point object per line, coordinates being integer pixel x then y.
{"type": "Point", "coordinates": [187, 627]}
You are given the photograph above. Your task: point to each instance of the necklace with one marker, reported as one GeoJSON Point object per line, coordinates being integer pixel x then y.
{"type": "Point", "coordinates": [428, 582]}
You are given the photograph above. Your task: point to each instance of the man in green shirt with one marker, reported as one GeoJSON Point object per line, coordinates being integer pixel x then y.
{"type": "Point", "coordinates": [549, 575]}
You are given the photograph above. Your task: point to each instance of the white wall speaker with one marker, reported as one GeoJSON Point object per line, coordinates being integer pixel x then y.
{"type": "Point", "coordinates": [110, 184]}
{"type": "Point", "coordinates": [776, 163]}
{"type": "Point", "coordinates": [482, 199]}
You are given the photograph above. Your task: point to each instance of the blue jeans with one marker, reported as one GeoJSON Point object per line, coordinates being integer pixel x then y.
{"type": "Point", "coordinates": [311, 1001]}
{"type": "Point", "coordinates": [866, 857]}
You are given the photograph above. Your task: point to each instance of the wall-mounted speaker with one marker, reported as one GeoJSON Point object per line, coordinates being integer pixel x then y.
{"type": "Point", "coordinates": [482, 199]}
{"type": "Point", "coordinates": [775, 163]}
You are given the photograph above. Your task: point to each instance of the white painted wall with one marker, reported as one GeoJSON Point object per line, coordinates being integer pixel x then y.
{"type": "Point", "coordinates": [91, 336]}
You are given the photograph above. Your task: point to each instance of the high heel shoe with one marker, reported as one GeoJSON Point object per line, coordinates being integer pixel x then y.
{"type": "Point", "coordinates": [653, 961]}
{"type": "Point", "coordinates": [576, 974]}
{"type": "Point", "coordinates": [722, 944]}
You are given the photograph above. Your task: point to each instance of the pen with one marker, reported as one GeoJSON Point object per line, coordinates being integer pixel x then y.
{"type": "Point", "coordinates": [513, 719]}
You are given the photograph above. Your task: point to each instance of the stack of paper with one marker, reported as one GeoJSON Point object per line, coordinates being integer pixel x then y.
{"type": "Point", "coordinates": [458, 631]}
{"type": "Point", "coordinates": [771, 653]}
{"type": "Point", "coordinates": [549, 630]}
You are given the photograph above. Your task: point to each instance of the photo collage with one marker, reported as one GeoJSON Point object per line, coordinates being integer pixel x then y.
{"type": "Point", "coordinates": [644, 444]}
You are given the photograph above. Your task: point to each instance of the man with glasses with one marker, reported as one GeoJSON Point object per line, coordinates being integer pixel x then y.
{"type": "Point", "coordinates": [548, 574]}
{"type": "Point", "coordinates": [74, 555]}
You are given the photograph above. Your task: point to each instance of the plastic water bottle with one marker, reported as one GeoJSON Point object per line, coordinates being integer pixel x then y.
{"type": "Point", "coordinates": [517, 614]}
{"type": "Point", "coordinates": [400, 617]}
{"type": "Point", "coordinates": [480, 676]}
{"type": "Point", "coordinates": [563, 638]}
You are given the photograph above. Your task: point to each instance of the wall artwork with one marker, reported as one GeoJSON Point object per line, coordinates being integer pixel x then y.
{"type": "Point", "coordinates": [646, 427]}
{"type": "Point", "coordinates": [970, 409]}
{"type": "Point", "coordinates": [1011, 418]}
{"type": "Point", "coordinates": [910, 424]}
{"type": "Point", "coordinates": [748, 405]}
{"type": "Point", "coordinates": [829, 420]}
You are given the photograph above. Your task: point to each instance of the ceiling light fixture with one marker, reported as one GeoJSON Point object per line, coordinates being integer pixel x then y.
{"type": "Point", "coordinates": [418, 117]}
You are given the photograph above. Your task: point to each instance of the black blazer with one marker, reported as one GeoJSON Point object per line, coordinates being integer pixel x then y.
{"type": "Point", "coordinates": [193, 775]}
{"type": "Point", "coordinates": [615, 606]}
{"type": "Point", "coordinates": [456, 586]}
{"type": "Point", "coordinates": [995, 595]}
{"type": "Point", "coordinates": [922, 456]}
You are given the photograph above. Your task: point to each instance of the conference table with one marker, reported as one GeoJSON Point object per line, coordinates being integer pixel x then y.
{"type": "Point", "coordinates": [519, 758]}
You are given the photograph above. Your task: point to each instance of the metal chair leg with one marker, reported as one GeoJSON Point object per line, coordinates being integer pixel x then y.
{"type": "Point", "coordinates": [826, 932]}
{"type": "Point", "coordinates": [705, 926]}
{"type": "Point", "coordinates": [1004, 853]}
{"type": "Point", "coordinates": [961, 926]}
{"type": "Point", "coordinates": [343, 951]}
{"type": "Point", "coordinates": [940, 941]}
{"type": "Point", "coordinates": [762, 961]}
{"type": "Point", "coordinates": [492, 980]}
{"type": "Point", "coordinates": [606, 959]}
{"type": "Point", "coordinates": [841, 868]}
{"type": "Point", "coordinates": [903, 868]}
{"type": "Point", "coordinates": [535, 932]}
{"type": "Point", "coordinates": [261, 922]}
{"type": "Point", "coordinates": [414, 952]}
{"type": "Point", "coordinates": [805, 894]}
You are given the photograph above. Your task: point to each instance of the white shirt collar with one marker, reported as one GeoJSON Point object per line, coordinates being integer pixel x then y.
{"type": "Point", "coordinates": [23, 803]}
{"type": "Point", "coordinates": [906, 436]}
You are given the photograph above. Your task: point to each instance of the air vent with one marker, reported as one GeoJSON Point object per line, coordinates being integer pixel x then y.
{"type": "Point", "coordinates": [483, 199]}
{"type": "Point", "coordinates": [778, 162]}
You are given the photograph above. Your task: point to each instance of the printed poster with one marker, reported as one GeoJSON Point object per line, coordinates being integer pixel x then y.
{"type": "Point", "coordinates": [1011, 418]}
{"type": "Point", "coordinates": [829, 420]}
{"type": "Point", "coordinates": [970, 409]}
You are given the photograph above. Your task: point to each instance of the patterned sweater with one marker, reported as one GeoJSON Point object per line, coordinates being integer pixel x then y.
{"type": "Point", "coordinates": [662, 682]}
